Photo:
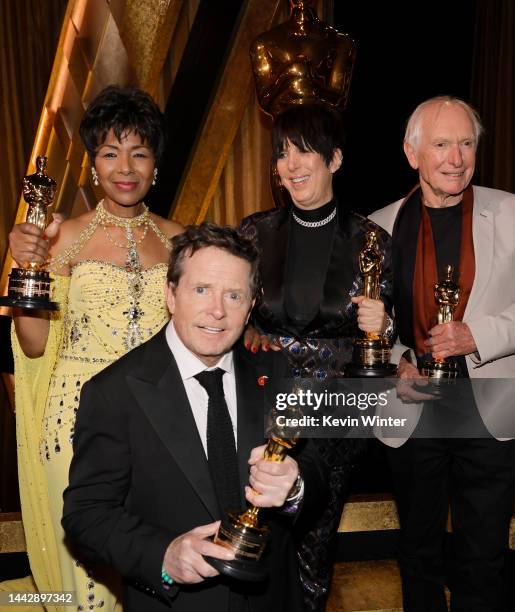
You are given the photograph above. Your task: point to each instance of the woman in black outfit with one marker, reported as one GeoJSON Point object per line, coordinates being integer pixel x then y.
{"type": "Point", "coordinates": [311, 305]}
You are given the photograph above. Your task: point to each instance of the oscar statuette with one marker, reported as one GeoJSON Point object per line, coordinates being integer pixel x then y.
{"type": "Point", "coordinates": [301, 61]}
{"type": "Point", "coordinates": [371, 354]}
{"type": "Point", "coordinates": [244, 533]}
{"type": "Point", "coordinates": [29, 286]}
{"type": "Point", "coordinates": [447, 295]}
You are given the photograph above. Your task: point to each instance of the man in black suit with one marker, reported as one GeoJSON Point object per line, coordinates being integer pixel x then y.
{"type": "Point", "coordinates": [145, 491]}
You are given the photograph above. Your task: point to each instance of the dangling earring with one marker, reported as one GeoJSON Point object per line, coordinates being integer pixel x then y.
{"type": "Point", "coordinates": [155, 177]}
{"type": "Point", "coordinates": [94, 175]}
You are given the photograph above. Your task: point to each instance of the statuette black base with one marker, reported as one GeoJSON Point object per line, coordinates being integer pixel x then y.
{"type": "Point", "coordinates": [247, 542]}
{"type": "Point", "coordinates": [249, 571]}
{"type": "Point", "coordinates": [440, 372]}
{"type": "Point", "coordinates": [28, 304]}
{"type": "Point", "coordinates": [29, 289]}
{"type": "Point", "coordinates": [370, 359]}
{"type": "Point", "coordinates": [358, 370]}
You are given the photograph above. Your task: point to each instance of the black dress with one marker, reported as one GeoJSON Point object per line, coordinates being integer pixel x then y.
{"type": "Point", "coordinates": [308, 276]}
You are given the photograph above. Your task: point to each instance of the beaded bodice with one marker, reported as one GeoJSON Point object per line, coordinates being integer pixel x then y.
{"type": "Point", "coordinates": [111, 310]}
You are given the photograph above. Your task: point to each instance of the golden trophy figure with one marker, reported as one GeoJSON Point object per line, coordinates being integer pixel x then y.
{"type": "Point", "coordinates": [29, 286]}
{"type": "Point", "coordinates": [371, 356]}
{"type": "Point", "coordinates": [243, 533]}
{"type": "Point", "coordinates": [301, 60]}
{"type": "Point", "coordinates": [447, 295]}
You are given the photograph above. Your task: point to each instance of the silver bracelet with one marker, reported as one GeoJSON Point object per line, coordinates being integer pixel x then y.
{"type": "Point", "coordinates": [390, 327]}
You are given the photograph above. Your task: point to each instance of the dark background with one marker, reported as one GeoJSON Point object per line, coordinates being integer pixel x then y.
{"type": "Point", "coordinates": [403, 58]}
{"type": "Point", "coordinates": [407, 52]}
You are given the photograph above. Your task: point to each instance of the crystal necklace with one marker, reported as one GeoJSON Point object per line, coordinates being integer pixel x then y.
{"type": "Point", "coordinates": [312, 224]}
{"type": "Point", "coordinates": [129, 224]}
{"type": "Point", "coordinates": [133, 335]}
{"type": "Point", "coordinates": [103, 218]}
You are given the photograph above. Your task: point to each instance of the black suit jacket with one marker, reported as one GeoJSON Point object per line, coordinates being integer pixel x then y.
{"type": "Point", "coordinates": [140, 478]}
{"type": "Point", "coordinates": [336, 316]}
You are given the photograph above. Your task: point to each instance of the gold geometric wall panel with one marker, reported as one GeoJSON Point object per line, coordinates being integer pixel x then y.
{"type": "Point", "coordinates": [227, 177]}
{"type": "Point", "coordinates": [101, 42]}
{"type": "Point", "coordinates": [223, 120]}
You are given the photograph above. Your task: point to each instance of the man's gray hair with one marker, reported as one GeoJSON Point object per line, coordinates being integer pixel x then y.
{"type": "Point", "coordinates": [412, 136]}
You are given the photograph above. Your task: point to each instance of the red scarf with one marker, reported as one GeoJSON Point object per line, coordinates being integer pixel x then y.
{"type": "Point", "coordinates": [425, 309]}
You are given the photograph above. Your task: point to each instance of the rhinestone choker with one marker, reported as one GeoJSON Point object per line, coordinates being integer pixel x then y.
{"type": "Point", "coordinates": [312, 224]}
{"type": "Point", "coordinates": [104, 218]}
{"type": "Point", "coordinates": [107, 218]}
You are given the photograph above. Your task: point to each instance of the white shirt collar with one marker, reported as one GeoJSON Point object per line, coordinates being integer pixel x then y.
{"type": "Point", "coordinates": [189, 365]}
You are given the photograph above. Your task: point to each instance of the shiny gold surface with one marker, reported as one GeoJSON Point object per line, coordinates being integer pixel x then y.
{"type": "Point", "coordinates": [224, 117]}
{"type": "Point", "coordinates": [365, 586]}
{"type": "Point", "coordinates": [372, 515]}
{"type": "Point", "coordinates": [111, 64]}
{"type": "Point", "coordinates": [243, 533]}
{"type": "Point", "coordinates": [372, 351]}
{"type": "Point", "coordinates": [369, 515]}
{"type": "Point", "coordinates": [302, 60]}
{"type": "Point", "coordinates": [447, 296]}
{"type": "Point", "coordinates": [12, 538]}
{"type": "Point", "coordinates": [90, 55]}
{"type": "Point", "coordinates": [371, 267]}
{"type": "Point", "coordinates": [244, 186]}
{"type": "Point", "coordinates": [147, 29]}
{"type": "Point", "coordinates": [276, 450]}
{"type": "Point", "coordinates": [39, 192]}
{"type": "Point", "coordinates": [250, 517]}
{"type": "Point", "coordinates": [29, 285]}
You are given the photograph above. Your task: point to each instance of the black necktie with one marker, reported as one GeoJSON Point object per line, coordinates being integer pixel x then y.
{"type": "Point", "coordinates": [221, 449]}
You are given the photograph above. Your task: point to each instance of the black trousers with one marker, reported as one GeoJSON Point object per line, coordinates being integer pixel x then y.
{"type": "Point", "coordinates": [476, 479]}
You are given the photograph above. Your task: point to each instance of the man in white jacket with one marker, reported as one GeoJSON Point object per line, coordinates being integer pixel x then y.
{"type": "Point", "coordinates": [445, 220]}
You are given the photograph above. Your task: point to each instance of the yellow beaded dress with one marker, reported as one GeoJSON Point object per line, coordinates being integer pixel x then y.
{"type": "Point", "coordinates": [105, 310]}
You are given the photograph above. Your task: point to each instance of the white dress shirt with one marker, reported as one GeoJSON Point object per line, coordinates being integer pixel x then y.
{"type": "Point", "coordinates": [189, 365]}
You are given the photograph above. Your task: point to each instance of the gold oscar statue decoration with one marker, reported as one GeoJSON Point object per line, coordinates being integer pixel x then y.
{"type": "Point", "coordinates": [447, 295]}
{"type": "Point", "coordinates": [29, 286]}
{"type": "Point", "coordinates": [302, 60]}
{"type": "Point", "coordinates": [244, 533]}
{"type": "Point", "coordinates": [371, 355]}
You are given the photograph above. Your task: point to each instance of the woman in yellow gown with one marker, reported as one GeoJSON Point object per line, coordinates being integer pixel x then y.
{"type": "Point", "coordinates": [109, 269]}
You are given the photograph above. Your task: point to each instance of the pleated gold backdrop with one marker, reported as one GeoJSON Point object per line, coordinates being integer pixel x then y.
{"type": "Point", "coordinates": [244, 184]}
{"type": "Point", "coordinates": [133, 42]}
{"type": "Point", "coordinates": [29, 31]}
{"type": "Point", "coordinates": [101, 42]}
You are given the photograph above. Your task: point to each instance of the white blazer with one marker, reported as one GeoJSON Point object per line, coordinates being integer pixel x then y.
{"type": "Point", "coordinates": [490, 311]}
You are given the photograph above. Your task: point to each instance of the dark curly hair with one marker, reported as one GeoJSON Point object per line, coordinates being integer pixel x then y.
{"type": "Point", "coordinates": [310, 127]}
{"type": "Point", "coordinates": [123, 109]}
{"type": "Point", "coordinates": [225, 237]}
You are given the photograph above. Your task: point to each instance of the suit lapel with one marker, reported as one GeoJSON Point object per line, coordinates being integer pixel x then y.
{"type": "Point", "coordinates": [273, 242]}
{"type": "Point", "coordinates": [339, 276]}
{"type": "Point", "coordinates": [404, 255]}
{"type": "Point", "coordinates": [250, 398]}
{"type": "Point", "coordinates": [159, 391]}
{"type": "Point", "coordinates": [483, 236]}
